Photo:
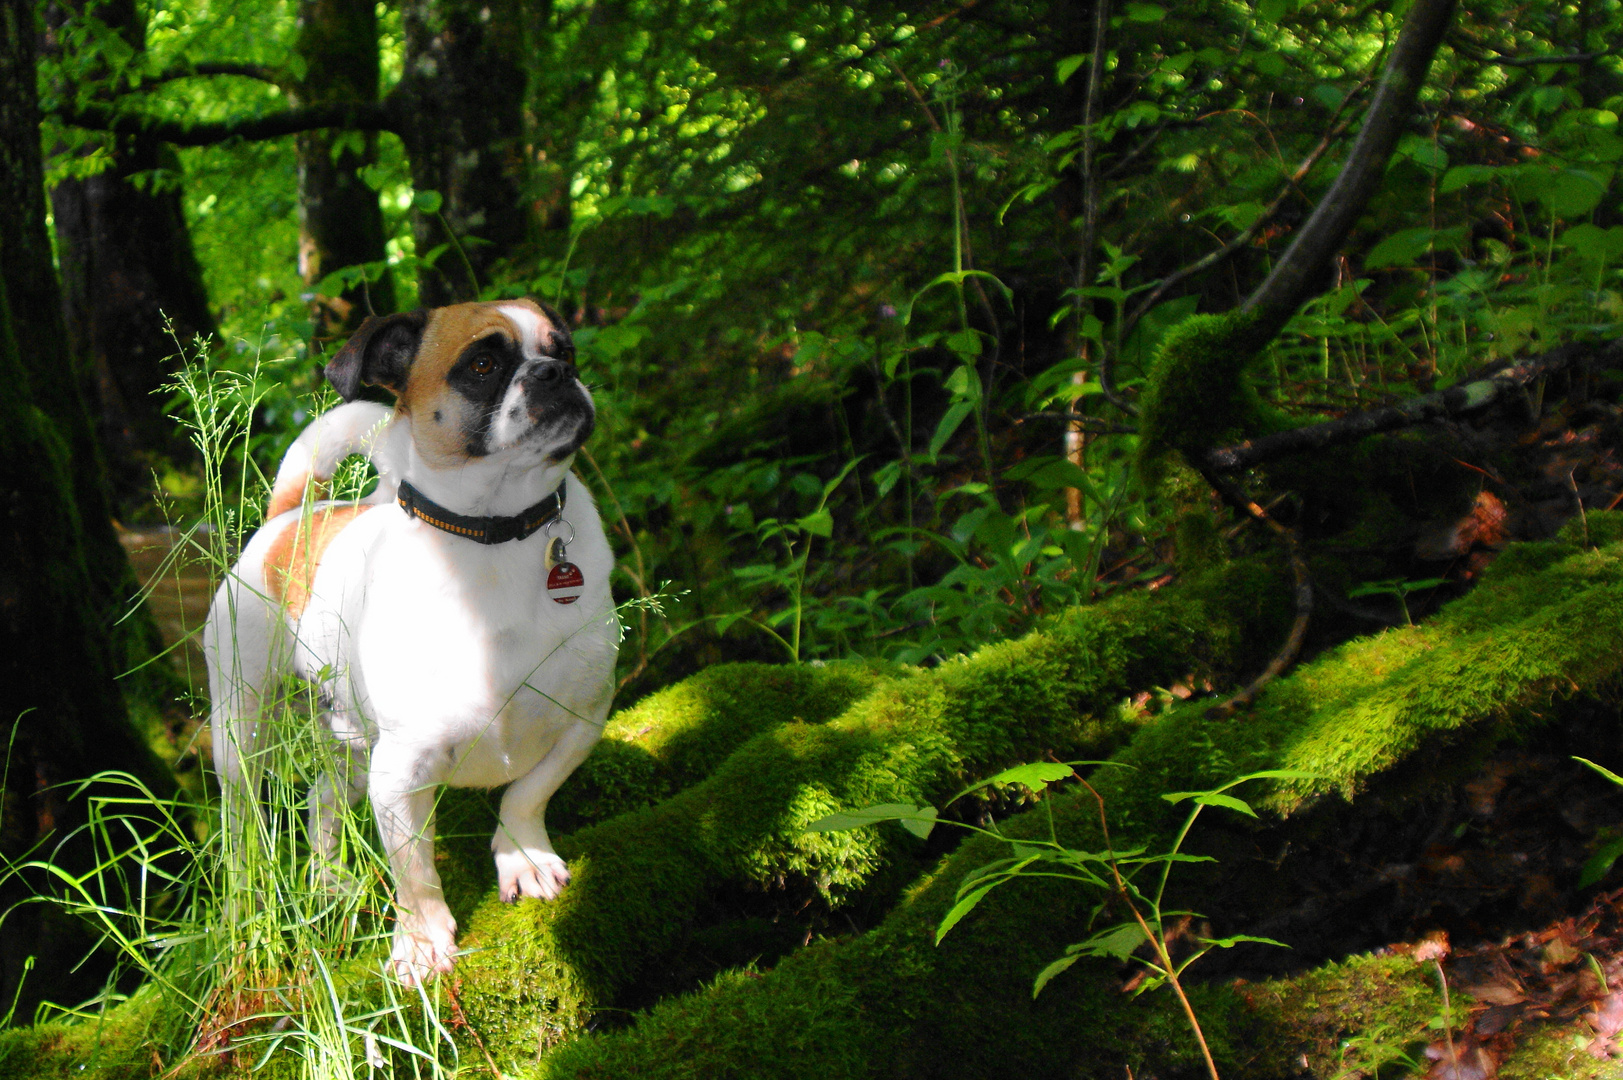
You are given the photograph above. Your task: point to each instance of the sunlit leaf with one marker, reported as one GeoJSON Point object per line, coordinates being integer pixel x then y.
{"type": "Point", "coordinates": [1036, 776]}
{"type": "Point", "coordinates": [955, 415]}
{"type": "Point", "coordinates": [963, 907]}
{"type": "Point", "coordinates": [1047, 974]}
{"type": "Point", "coordinates": [918, 820]}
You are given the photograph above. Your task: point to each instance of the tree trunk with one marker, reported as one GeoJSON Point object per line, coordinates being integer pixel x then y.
{"type": "Point", "coordinates": [340, 222]}
{"type": "Point", "coordinates": [131, 286]}
{"type": "Point", "coordinates": [133, 295]}
{"type": "Point", "coordinates": [64, 579]}
{"type": "Point", "coordinates": [460, 105]}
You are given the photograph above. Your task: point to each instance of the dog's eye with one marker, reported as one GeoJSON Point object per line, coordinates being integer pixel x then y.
{"type": "Point", "coordinates": [482, 366]}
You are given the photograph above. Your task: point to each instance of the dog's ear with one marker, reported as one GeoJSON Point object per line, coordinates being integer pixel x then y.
{"type": "Point", "coordinates": [559, 344]}
{"type": "Point", "coordinates": [378, 354]}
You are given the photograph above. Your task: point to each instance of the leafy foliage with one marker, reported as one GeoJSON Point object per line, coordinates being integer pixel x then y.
{"type": "Point", "coordinates": [882, 309]}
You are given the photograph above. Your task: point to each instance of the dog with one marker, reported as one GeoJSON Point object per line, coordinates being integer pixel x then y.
{"type": "Point", "coordinates": [456, 624]}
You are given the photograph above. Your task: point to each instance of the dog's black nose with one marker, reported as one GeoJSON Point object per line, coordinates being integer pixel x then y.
{"type": "Point", "coordinates": [550, 371]}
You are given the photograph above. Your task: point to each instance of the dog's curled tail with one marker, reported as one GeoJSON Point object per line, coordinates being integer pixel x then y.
{"type": "Point", "coordinates": [355, 428]}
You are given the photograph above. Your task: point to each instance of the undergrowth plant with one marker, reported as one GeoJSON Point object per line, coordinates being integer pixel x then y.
{"type": "Point", "coordinates": [246, 946]}
{"type": "Point", "coordinates": [1141, 928]}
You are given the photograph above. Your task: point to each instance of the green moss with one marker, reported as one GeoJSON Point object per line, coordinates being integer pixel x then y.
{"type": "Point", "coordinates": [1558, 1052]}
{"type": "Point", "coordinates": [116, 1046]}
{"type": "Point", "coordinates": [1597, 529]}
{"type": "Point", "coordinates": [1353, 1017]}
{"type": "Point", "coordinates": [893, 1004]}
{"type": "Point", "coordinates": [678, 735]}
{"type": "Point", "coordinates": [1542, 626]}
{"type": "Point", "coordinates": [1197, 396]}
{"type": "Point", "coordinates": [667, 741]}
{"type": "Point", "coordinates": [641, 880]}
{"type": "Point", "coordinates": [890, 1003]}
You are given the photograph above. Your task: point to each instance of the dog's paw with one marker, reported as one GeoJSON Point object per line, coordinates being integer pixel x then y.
{"type": "Point", "coordinates": [423, 947]}
{"type": "Point", "coordinates": [529, 871]}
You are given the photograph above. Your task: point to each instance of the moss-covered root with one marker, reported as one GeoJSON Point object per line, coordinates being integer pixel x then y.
{"type": "Point", "coordinates": [677, 736]}
{"type": "Point", "coordinates": [891, 1003]}
{"type": "Point", "coordinates": [642, 880]}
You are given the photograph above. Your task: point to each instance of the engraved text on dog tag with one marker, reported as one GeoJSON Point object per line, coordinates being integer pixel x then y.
{"type": "Point", "coordinates": [565, 583]}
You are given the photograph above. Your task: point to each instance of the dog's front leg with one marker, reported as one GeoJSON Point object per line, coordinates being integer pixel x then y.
{"type": "Point", "coordinates": [403, 785]}
{"type": "Point", "coordinates": [526, 865]}
{"type": "Point", "coordinates": [342, 783]}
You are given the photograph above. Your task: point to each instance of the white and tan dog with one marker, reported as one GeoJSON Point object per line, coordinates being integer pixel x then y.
{"type": "Point", "coordinates": [451, 636]}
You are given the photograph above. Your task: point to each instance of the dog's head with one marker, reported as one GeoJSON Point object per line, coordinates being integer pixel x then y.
{"type": "Point", "coordinates": [477, 380]}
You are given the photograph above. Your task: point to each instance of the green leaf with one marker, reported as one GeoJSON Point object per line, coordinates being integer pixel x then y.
{"type": "Point", "coordinates": [1067, 67]}
{"type": "Point", "coordinates": [1118, 942]}
{"type": "Point", "coordinates": [1404, 246]}
{"type": "Point", "coordinates": [427, 201]}
{"type": "Point", "coordinates": [1463, 175]}
{"type": "Point", "coordinates": [1063, 473]}
{"type": "Point", "coordinates": [962, 908]}
{"type": "Point", "coordinates": [956, 414]}
{"type": "Point", "coordinates": [885, 477]}
{"type": "Point", "coordinates": [1565, 192]}
{"type": "Point", "coordinates": [1047, 973]}
{"type": "Point", "coordinates": [819, 522]}
{"type": "Point", "coordinates": [1271, 64]}
{"type": "Point", "coordinates": [956, 278]}
{"type": "Point", "coordinates": [1036, 776]}
{"type": "Point", "coordinates": [966, 344]}
{"type": "Point", "coordinates": [1230, 942]}
{"type": "Point", "coordinates": [1271, 11]}
{"type": "Point", "coordinates": [1145, 13]}
{"type": "Point", "coordinates": [918, 820]}
{"type": "Point", "coordinates": [1600, 864]}
{"type": "Point", "coordinates": [1226, 801]}
{"type": "Point", "coordinates": [1603, 770]}
{"type": "Point", "coordinates": [1593, 243]}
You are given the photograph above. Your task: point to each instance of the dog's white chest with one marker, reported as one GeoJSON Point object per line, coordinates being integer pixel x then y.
{"type": "Point", "coordinates": [478, 661]}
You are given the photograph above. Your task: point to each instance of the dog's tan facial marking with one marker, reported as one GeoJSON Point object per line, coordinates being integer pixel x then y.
{"type": "Point", "coordinates": [290, 564]}
{"type": "Point", "coordinates": [465, 372]}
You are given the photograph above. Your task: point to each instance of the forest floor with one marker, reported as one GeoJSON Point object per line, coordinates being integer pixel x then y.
{"type": "Point", "coordinates": [1479, 878]}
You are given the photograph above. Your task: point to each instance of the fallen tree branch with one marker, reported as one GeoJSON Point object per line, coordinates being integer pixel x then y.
{"type": "Point", "coordinates": [1455, 402]}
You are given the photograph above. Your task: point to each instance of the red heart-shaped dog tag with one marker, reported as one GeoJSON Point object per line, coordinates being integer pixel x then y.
{"type": "Point", "coordinates": [565, 583]}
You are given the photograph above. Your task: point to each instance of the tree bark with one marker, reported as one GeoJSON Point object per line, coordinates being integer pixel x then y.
{"type": "Point", "coordinates": [340, 222]}
{"type": "Point", "coordinates": [129, 277]}
{"type": "Point", "coordinates": [132, 289]}
{"type": "Point", "coordinates": [64, 579]}
{"type": "Point", "coordinates": [461, 108]}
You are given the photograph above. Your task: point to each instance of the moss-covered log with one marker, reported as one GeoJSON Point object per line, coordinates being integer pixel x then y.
{"type": "Point", "coordinates": [1547, 623]}
{"type": "Point", "coordinates": [642, 880]}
